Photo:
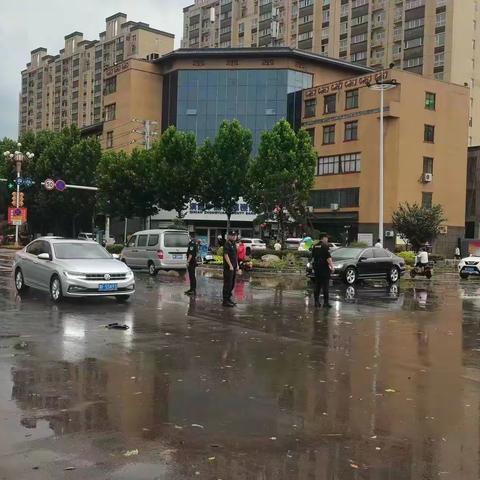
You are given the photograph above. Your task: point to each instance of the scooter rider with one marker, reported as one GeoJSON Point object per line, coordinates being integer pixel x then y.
{"type": "Point", "coordinates": [422, 258]}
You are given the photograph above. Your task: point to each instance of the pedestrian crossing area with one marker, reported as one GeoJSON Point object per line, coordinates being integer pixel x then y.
{"type": "Point", "coordinates": [6, 261]}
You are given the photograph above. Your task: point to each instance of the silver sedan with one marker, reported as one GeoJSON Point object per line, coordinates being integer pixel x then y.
{"type": "Point", "coordinates": [72, 268]}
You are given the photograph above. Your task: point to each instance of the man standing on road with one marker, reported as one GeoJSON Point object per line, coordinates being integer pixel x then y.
{"type": "Point", "coordinates": [322, 267]}
{"type": "Point", "coordinates": [192, 252]}
{"type": "Point", "coordinates": [230, 269]}
{"type": "Point", "coordinates": [379, 244]}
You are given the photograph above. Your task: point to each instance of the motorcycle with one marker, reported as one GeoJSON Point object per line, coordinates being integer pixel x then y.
{"type": "Point", "coordinates": [418, 270]}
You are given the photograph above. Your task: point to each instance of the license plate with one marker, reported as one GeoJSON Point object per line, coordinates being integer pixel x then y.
{"type": "Point", "coordinates": [470, 270]}
{"type": "Point", "coordinates": [107, 287]}
{"type": "Point", "coordinates": [177, 257]}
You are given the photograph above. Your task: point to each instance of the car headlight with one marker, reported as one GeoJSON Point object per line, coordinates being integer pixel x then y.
{"type": "Point", "coordinates": [338, 266]}
{"type": "Point", "coordinates": [129, 274]}
{"type": "Point", "coordinates": [74, 275]}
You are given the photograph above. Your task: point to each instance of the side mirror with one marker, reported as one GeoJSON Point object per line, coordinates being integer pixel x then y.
{"type": "Point", "coordinates": [362, 259]}
{"type": "Point", "coordinates": [44, 256]}
{"type": "Point", "coordinates": [116, 256]}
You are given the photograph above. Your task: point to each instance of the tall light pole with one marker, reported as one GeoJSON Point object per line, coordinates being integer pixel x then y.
{"type": "Point", "coordinates": [18, 157]}
{"type": "Point", "coordinates": [381, 86]}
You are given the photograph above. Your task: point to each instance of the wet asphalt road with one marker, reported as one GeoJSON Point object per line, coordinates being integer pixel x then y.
{"type": "Point", "coordinates": [386, 385]}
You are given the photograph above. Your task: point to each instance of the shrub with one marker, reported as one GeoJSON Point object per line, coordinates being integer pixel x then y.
{"type": "Point", "coordinates": [220, 251]}
{"type": "Point", "coordinates": [358, 245]}
{"type": "Point", "coordinates": [117, 248]}
{"type": "Point", "coordinates": [409, 257]}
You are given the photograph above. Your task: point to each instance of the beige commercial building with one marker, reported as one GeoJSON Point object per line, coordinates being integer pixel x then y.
{"type": "Point", "coordinates": [69, 88]}
{"type": "Point", "coordinates": [437, 38]}
{"type": "Point", "coordinates": [426, 126]}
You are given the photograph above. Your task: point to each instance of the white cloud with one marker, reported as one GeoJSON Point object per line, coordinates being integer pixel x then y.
{"type": "Point", "coordinates": [29, 24]}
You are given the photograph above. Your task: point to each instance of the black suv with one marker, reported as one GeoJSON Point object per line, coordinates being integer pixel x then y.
{"type": "Point", "coordinates": [352, 264]}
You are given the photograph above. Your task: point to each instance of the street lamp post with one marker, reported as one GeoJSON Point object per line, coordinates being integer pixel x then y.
{"type": "Point", "coordinates": [381, 86]}
{"type": "Point", "coordinates": [18, 157]}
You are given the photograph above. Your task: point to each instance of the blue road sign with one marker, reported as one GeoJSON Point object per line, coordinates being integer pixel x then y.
{"type": "Point", "coordinates": [60, 185]}
{"type": "Point", "coordinates": [19, 181]}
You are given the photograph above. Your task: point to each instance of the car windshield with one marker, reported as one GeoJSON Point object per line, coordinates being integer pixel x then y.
{"type": "Point", "coordinates": [344, 253]}
{"type": "Point", "coordinates": [80, 251]}
{"type": "Point", "coordinates": [173, 239]}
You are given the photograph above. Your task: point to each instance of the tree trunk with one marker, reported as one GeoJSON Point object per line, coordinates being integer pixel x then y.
{"type": "Point", "coordinates": [281, 233]}
{"type": "Point", "coordinates": [229, 215]}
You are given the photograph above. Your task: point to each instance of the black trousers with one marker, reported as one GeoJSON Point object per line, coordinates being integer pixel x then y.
{"type": "Point", "coordinates": [192, 277]}
{"type": "Point", "coordinates": [322, 283]}
{"type": "Point", "coordinates": [229, 277]}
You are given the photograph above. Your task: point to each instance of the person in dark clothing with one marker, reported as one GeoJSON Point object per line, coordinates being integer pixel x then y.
{"type": "Point", "coordinates": [322, 267]}
{"type": "Point", "coordinates": [192, 252]}
{"type": "Point", "coordinates": [230, 269]}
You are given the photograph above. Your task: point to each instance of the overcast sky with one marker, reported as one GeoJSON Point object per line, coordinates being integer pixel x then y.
{"type": "Point", "coordinates": [29, 24]}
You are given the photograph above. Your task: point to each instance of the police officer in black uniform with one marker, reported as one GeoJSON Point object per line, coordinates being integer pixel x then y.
{"type": "Point", "coordinates": [230, 269]}
{"type": "Point", "coordinates": [192, 252]}
{"type": "Point", "coordinates": [322, 267]}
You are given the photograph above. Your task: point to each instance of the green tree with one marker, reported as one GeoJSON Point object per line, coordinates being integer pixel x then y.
{"type": "Point", "coordinates": [223, 164]}
{"type": "Point", "coordinates": [126, 184]}
{"type": "Point", "coordinates": [417, 224]}
{"type": "Point", "coordinates": [281, 176]}
{"type": "Point", "coordinates": [176, 173]}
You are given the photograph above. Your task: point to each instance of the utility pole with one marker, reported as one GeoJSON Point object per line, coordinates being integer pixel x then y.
{"type": "Point", "coordinates": [146, 134]}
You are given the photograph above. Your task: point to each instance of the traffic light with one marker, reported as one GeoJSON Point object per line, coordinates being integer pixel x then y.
{"type": "Point", "coordinates": [21, 199]}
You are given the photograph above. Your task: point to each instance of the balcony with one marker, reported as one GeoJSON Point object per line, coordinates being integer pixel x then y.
{"type": "Point", "coordinates": [378, 42]}
{"type": "Point", "coordinates": [378, 5]}
{"type": "Point", "coordinates": [398, 17]}
{"type": "Point", "coordinates": [397, 37]}
{"type": "Point", "coordinates": [397, 56]}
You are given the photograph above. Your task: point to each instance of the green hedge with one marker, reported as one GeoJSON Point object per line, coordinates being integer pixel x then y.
{"type": "Point", "coordinates": [409, 257]}
{"type": "Point", "coordinates": [117, 248]}
{"type": "Point", "coordinates": [258, 254]}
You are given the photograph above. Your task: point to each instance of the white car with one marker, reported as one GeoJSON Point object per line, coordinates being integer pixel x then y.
{"type": "Point", "coordinates": [72, 268]}
{"type": "Point", "coordinates": [469, 267]}
{"type": "Point", "coordinates": [253, 244]}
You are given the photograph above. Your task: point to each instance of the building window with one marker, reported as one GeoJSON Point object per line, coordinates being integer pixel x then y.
{"type": "Point", "coordinates": [440, 39]}
{"type": "Point", "coordinates": [430, 99]}
{"type": "Point", "coordinates": [338, 164]}
{"type": "Point", "coordinates": [328, 134]}
{"type": "Point", "coordinates": [351, 131]}
{"type": "Point", "coordinates": [441, 19]}
{"type": "Point", "coordinates": [110, 112]}
{"type": "Point", "coordinates": [429, 134]}
{"type": "Point", "coordinates": [311, 133]}
{"type": "Point", "coordinates": [414, 42]}
{"type": "Point", "coordinates": [310, 107]}
{"type": "Point", "coordinates": [343, 197]}
{"type": "Point", "coordinates": [110, 86]}
{"type": "Point", "coordinates": [329, 103]}
{"type": "Point", "coordinates": [414, 62]}
{"type": "Point", "coordinates": [439, 59]}
{"type": "Point", "coordinates": [109, 139]}
{"type": "Point", "coordinates": [427, 199]}
{"type": "Point", "coordinates": [427, 165]}
{"type": "Point", "coordinates": [351, 99]}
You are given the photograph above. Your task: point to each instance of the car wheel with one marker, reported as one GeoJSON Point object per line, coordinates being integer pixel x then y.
{"type": "Point", "coordinates": [464, 276]}
{"type": "Point", "coordinates": [413, 273]}
{"type": "Point", "coordinates": [152, 270]}
{"type": "Point", "coordinates": [56, 289]}
{"type": "Point", "coordinates": [122, 298]}
{"type": "Point", "coordinates": [20, 282]}
{"type": "Point", "coordinates": [428, 274]}
{"type": "Point", "coordinates": [393, 276]}
{"type": "Point", "coordinates": [350, 275]}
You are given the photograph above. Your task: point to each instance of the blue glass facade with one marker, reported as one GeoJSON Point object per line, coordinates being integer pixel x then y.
{"type": "Point", "coordinates": [199, 100]}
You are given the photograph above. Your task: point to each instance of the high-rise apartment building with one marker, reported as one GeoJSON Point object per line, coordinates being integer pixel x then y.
{"type": "Point", "coordinates": [68, 88]}
{"type": "Point", "coordinates": [436, 38]}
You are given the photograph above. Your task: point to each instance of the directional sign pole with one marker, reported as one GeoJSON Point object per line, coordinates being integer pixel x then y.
{"type": "Point", "coordinates": [75, 187]}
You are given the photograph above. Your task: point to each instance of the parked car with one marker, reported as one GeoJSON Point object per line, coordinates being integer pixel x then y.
{"type": "Point", "coordinates": [293, 243]}
{"type": "Point", "coordinates": [334, 246]}
{"type": "Point", "coordinates": [253, 244]}
{"type": "Point", "coordinates": [162, 249]}
{"type": "Point", "coordinates": [86, 236]}
{"type": "Point", "coordinates": [352, 264]}
{"type": "Point", "coordinates": [469, 267]}
{"type": "Point", "coordinates": [72, 268]}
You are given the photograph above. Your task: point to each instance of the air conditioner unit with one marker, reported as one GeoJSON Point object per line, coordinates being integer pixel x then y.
{"type": "Point", "coordinates": [443, 230]}
{"type": "Point", "coordinates": [427, 177]}
{"type": "Point", "coordinates": [334, 206]}
{"type": "Point", "coordinates": [389, 234]}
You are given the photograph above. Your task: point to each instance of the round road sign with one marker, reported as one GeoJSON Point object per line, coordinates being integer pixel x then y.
{"type": "Point", "coordinates": [49, 184]}
{"type": "Point", "coordinates": [17, 212]}
{"type": "Point", "coordinates": [60, 185]}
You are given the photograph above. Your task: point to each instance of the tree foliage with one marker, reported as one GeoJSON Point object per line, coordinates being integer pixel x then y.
{"type": "Point", "coordinates": [175, 169]}
{"type": "Point", "coordinates": [281, 176]}
{"type": "Point", "coordinates": [126, 184]}
{"type": "Point", "coordinates": [418, 225]}
{"type": "Point", "coordinates": [223, 164]}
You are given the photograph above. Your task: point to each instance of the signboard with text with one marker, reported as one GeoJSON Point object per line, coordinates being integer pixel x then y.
{"type": "Point", "coordinates": [17, 216]}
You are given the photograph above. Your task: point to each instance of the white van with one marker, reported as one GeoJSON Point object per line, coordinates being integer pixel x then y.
{"type": "Point", "coordinates": [155, 250]}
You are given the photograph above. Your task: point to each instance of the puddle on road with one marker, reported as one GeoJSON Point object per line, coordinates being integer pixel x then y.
{"type": "Point", "coordinates": [385, 386]}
